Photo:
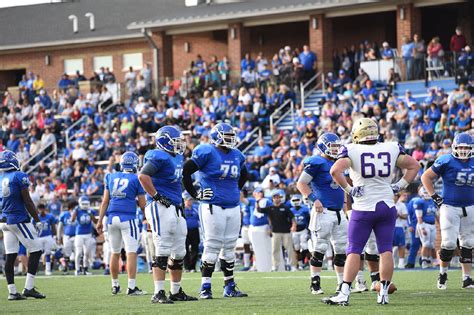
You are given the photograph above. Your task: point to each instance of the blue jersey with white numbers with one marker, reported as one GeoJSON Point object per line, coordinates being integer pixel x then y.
{"type": "Point", "coordinates": [55, 208]}
{"type": "Point", "coordinates": [257, 218]}
{"type": "Point", "coordinates": [48, 220]}
{"type": "Point", "coordinates": [458, 180]}
{"type": "Point", "coordinates": [68, 225]}
{"type": "Point", "coordinates": [327, 191]}
{"type": "Point", "coordinates": [123, 190]}
{"type": "Point", "coordinates": [220, 171]}
{"type": "Point", "coordinates": [84, 221]}
{"type": "Point", "coordinates": [428, 207]}
{"type": "Point", "coordinates": [301, 217]}
{"type": "Point", "coordinates": [411, 210]}
{"type": "Point", "coordinates": [13, 206]}
{"type": "Point", "coordinates": [167, 179]}
{"type": "Point", "coordinates": [192, 217]}
{"type": "Point", "coordinates": [245, 214]}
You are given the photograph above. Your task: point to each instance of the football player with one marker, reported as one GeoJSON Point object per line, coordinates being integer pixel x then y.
{"type": "Point", "coordinates": [426, 213]}
{"type": "Point", "coordinates": [18, 208]}
{"type": "Point", "coordinates": [46, 236]}
{"type": "Point", "coordinates": [328, 226]}
{"type": "Point", "coordinates": [300, 237]}
{"type": "Point", "coordinates": [244, 207]}
{"type": "Point", "coordinates": [456, 212]}
{"type": "Point", "coordinates": [414, 237]}
{"type": "Point", "coordinates": [399, 241]}
{"type": "Point", "coordinates": [83, 239]}
{"type": "Point", "coordinates": [259, 231]}
{"type": "Point", "coordinates": [65, 235]}
{"type": "Point", "coordinates": [161, 179]}
{"type": "Point", "coordinates": [121, 194]}
{"type": "Point", "coordinates": [371, 167]}
{"type": "Point", "coordinates": [222, 174]}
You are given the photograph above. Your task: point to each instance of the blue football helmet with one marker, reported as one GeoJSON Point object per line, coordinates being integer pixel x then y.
{"type": "Point", "coordinates": [84, 202]}
{"type": "Point", "coordinates": [129, 162]}
{"type": "Point", "coordinates": [296, 200]}
{"type": "Point", "coordinates": [463, 146]}
{"type": "Point", "coordinates": [170, 139]}
{"type": "Point", "coordinates": [223, 135]}
{"type": "Point", "coordinates": [9, 161]}
{"type": "Point", "coordinates": [329, 144]}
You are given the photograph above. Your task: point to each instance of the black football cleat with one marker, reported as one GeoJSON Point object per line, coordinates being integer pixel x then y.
{"type": "Point", "coordinates": [135, 292]}
{"type": "Point", "coordinates": [316, 285]}
{"type": "Point", "coordinates": [161, 298]}
{"type": "Point", "coordinates": [16, 297]}
{"type": "Point", "coordinates": [115, 289]}
{"type": "Point", "coordinates": [181, 297]}
{"type": "Point", "coordinates": [468, 284]}
{"type": "Point", "coordinates": [33, 293]}
{"type": "Point", "coordinates": [442, 281]}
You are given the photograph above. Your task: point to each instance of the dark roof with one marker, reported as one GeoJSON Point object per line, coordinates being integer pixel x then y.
{"type": "Point", "coordinates": [48, 24]}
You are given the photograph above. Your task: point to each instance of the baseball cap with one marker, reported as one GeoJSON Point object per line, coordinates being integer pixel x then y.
{"type": "Point", "coordinates": [276, 192]}
{"type": "Point", "coordinates": [307, 113]}
{"type": "Point", "coordinates": [273, 169]}
{"type": "Point", "coordinates": [342, 71]}
{"type": "Point", "coordinates": [258, 189]}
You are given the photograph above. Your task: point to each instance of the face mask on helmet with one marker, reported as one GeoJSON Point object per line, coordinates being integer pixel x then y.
{"type": "Point", "coordinates": [462, 151]}
{"type": "Point", "coordinates": [179, 145]}
{"type": "Point", "coordinates": [84, 203]}
{"type": "Point", "coordinates": [295, 201]}
{"type": "Point", "coordinates": [176, 145]}
{"type": "Point", "coordinates": [224, 136]}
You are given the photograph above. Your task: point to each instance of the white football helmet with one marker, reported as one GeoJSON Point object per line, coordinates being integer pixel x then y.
{"type": "Point", "coordinates": [365, 130]}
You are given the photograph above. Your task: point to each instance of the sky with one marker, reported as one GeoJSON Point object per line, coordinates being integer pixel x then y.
{"type": "Point", "coordinates": [13, 3]}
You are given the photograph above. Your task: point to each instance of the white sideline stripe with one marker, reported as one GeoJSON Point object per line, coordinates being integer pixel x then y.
{"type": "Point", "coordinates": [184, 278]}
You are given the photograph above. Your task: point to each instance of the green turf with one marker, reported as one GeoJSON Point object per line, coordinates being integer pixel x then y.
{"type": "Point", "coordinates": [281, 293]}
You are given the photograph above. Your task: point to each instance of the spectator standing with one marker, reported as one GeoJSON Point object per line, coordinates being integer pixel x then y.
{"type": "Point", "coordinates": [246, 63]}
{"type": "Point", "coordinates": [408, 54]}
{"type": "Point", "coordinates": [387, 51]}
{"type": "Point", "coordinates": [458, 41]}
{"type": "Point", "coordinates": [420, 50]}
{"type": "Point", "coordinates": [308, 59]}
{"type": "Point", "coordinates": [435, 53]}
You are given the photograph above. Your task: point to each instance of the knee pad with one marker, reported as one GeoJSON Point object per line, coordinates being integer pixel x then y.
{"type": "Point", "coordinates": [340, 260]}
{"type": "Point", "coordinates": [160, 262]}
{"type": "Point", "coordinates": [369, 257]}
{"type": "Point", "coordinates": [316, 259]}
{"type": "Point", "coordinates": [176, 264]}
{"type": "Point", "coordinates": [446, 254]}
{"type": "Point", "coordinates": [207, 269]}
{"type": "Point", "coordinates": [227, 267]}
{"type": "Point", "coordinates": [321, 245]}
{"type": "Point", "coordinates": [466, 255]}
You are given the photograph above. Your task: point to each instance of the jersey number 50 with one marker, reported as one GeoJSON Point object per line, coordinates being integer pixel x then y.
{"type": "Point", "coordinates": [368, 167]}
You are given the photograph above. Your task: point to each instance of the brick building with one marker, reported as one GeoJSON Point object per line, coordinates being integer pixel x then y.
{"type": "Point", "coordinates": [168, 34]}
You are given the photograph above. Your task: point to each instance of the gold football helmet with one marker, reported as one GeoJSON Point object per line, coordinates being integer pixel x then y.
{"type": "Point", "coordinates": [364, 130]}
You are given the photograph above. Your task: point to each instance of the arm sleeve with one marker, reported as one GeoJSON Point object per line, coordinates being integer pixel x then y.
{"type": "Point", "coordinates": [150, 168]}
{"type": "Point", "coordinates": [190, 167]}
{"type": "Point", "coordinates": [244, 175]}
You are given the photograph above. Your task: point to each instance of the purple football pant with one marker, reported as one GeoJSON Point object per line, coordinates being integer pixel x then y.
{"type": "Point", "coordinates": [361, 224]}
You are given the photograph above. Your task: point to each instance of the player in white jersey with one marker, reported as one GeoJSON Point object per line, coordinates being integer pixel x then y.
{"type": "Point", "coordinates": [371, 167]}
{"type": "Point", "coordinates": [399, 241]}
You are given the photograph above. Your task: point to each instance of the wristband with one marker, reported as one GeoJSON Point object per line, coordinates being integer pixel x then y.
{"type": "Point", "coordinates": [312, 197]}
{"type": "Point", "coordinates": [402, 183]}
{"type": "Point", "coordinates": [347, 189]}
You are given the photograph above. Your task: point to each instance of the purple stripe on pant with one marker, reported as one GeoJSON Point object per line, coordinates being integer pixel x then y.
{"type": "Point", "coordinates": [361, 224]}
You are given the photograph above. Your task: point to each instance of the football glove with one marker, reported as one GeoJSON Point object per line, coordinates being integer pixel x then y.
{"type": "Point", "coordinates": [437, 199]}
{"type": "Point", "coordinates": [205, 194]}
{"type": "Point", "coordinates": [39, 227]}
{"type": "Point", "coordinates": [396, 189]}
{"type": "Point", "coordinates": [357, 191]}
{"type": "Point", "coordinates": [162, 199]}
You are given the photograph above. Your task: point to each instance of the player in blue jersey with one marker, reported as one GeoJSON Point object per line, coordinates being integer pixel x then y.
{"type": "Point", "coordinates": [259, 231]}
{"type": "Point", "coordinates": [66, 234]}
{"type": "Point", "coordinates": [122, 193]}
{"type": "Point", "coordinates": [426, 213]}
{"type": "Point", "coordinates": [456, 213]}
{"type": "Point", "coordinates": [222, 173]}
{"type": "Point", "coordinates": [328, 223]}
{"type": "Point", "coordinates": [83, 241]}
{"type": "Point", "coordinates": [18, 209]}
{"type": "Point", "coordinates": [161, 178]}
{"type": "Point", "coordinates": [193, 239]}
{"type": "Point", "coordinates": [46, 237]}
{"type": "Point", "coordinates": [415, 238]}
{"type": "Point", "coordinates": [244, 232]}
{"type": "Point", "coordinates": [300, 237]}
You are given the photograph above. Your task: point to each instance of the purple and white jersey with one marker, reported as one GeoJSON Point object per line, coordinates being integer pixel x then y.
{"type": "Point", "coordinates": [372, 166]}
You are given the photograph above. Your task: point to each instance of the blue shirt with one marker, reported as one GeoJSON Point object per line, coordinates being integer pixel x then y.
{"type": "Point", "coordinates": [13, 206]}
{"type": "Point", "coordinates": [123, 189]}
{"type": "Point", "coordinates": [69, 226]}
{"type": "Point", "coordinates": [245, 209]}
{"type": "Point", "coordinates": [257, 218]}
{"type": "Point", "coordinates": [192, 217]}
{"type": "Point", "coordinates": [327, 191]}
{"type": "Point", "coordinates": [220, 171]}
{"type": "Point", "coordinates": [308, 60]}
{"type": "Point", "coordinates": [415, 202]}
{"type": "Point", "coordinates": [48, 221]}
{"type": "Point", "coordinates": [387, 53]}
{"type": "Point", "coordinates": [301, 217]}
{"type": "Point", "coordinates": [458, 180]}
{"type": "Point", "coordinates": [168, 175]}
{"type": "Point", "coordinates": [55, 208]}
{"type": "Point", "coordinates": [262, 151]}
{"type": "Point", "coordinates": [84, 221]}
{"type": "Point", "coordinates": [407, 50]}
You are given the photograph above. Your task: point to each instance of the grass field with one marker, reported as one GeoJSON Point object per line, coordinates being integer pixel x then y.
{"type": "Point", "coordinates": [281, 293]}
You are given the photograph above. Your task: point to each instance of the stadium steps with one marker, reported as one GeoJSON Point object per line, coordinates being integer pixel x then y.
{"type": "Point", "coordinates": [419, 90]}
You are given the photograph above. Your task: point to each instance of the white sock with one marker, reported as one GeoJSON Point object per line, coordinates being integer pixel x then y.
{"type": "Point", "coordinates": [174, 287]}
{"type": "Point", "coordinates": [159, 285]}
{"type": "Point", "coordinates": [12, 288]}
{"type": "Point", "coordinates": [131, 284]}
{"type": "Point", "coordinates": [424, 258]}
{"type": "Point", "coordinates": [315, 273]}
{"type": "Point", "coordinates": [345, 288]}
{"type": "Point", "coordinates": [465, 276]}
{"type": "Point", "coordinates": [205, 280]}
{"type": "Point", "coordinates": [360, 276]}
{"type": "Point", "coordinates": [329, 263]}
{"type": "Point", "coordinates": [48, 266]}
{"type": "Point", "coordinates": [115, 282]}
{"type": "Point", "coordinates": [246, 260]}
{"type": "Point", "coordinates": [340, 276]}
{"type": "Point", "coordinates": [401, 262]}
{"type": "Point", "coordinates": [30, 281]}
{"type": "Point", "coordinates": [443, 270]}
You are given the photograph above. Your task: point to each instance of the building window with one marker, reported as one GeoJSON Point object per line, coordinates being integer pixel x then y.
{"type": "Point", "coordinates": [73, 65]}
{"type": "Point", "coordinates": [134, 60]}
{"type": "Point", "coordinates": [103, 61]}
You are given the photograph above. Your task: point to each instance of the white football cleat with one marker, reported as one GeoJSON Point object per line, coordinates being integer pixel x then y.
{"type": "Point", "coordinates": [382, 298]}
{"type": "Point", "coordinates": [48, 273]}
{"type": "Point", "coordinates": [338, 299]}
{"type": "Point", "coordinates": [359, 287]}
{"type": "Point", "coordinates": [373, 285]}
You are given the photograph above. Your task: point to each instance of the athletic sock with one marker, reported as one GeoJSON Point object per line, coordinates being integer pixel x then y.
{"type": "Point", "coordinates": [115, 282]}
{"type": "Point", "coordinates": [246, 260]}
{"type": "Point", "coordinates": [48, 266]}
{"type": "Point", "coordinates": [228, 280]}
{"type": "Point", "coordinates": [346, 287]}
{"type": "Point", "coordinates": [174, 287]}
{"type": "Point", "coordinates": [131, 283]}
{"type": "Point", "coordinates": [315, 273]}
{"type": "Point", "coordinates": [340, 276]}
{"type": "Point", "coordinates": [443, 270]}
{"type": "Point", "coordinates": [205, 280]}
{"type": "Point", "coordinates": [12, 289]}
{"type": "Point", "coordinates": [30, 281]}
{"type": "Point", "coordinates": [401, 262]}
{"type": "Point", "coordinates": [159, 286]}
{"type": "Point", "coordinates": [466, 276]}
{"type": "Point", "coordinates": [360, 276]}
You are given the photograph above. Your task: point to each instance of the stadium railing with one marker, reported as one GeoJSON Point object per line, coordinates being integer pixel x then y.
{"type": "Point", "coordinates": [279, 117]}
{"type": "Point", "coordinates": [44, 157]}
{"type": "Point", "coordinates": [83, 119]}
{"type": "Point", "coordinates": [313, 84]}
{"type": "Point", "coordinates": [250, 140]}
